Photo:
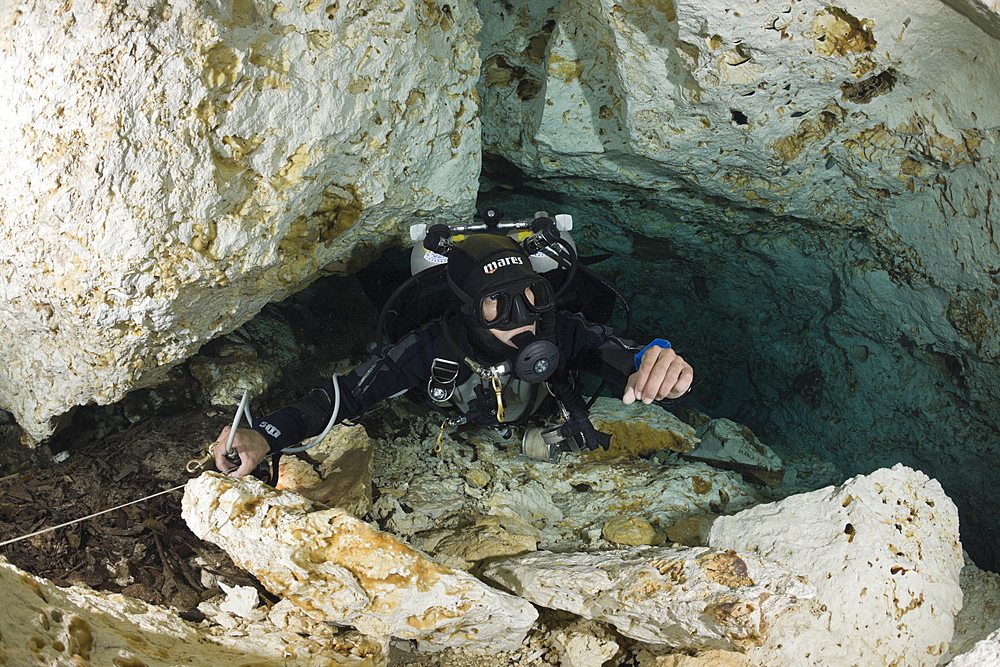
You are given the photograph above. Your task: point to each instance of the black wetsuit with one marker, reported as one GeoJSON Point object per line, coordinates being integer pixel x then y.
{"type": "Point", "coordinates": [394, 369]}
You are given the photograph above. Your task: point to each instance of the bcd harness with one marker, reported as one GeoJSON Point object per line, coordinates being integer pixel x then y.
{"type": "Point", "coordinates": [443, 382]}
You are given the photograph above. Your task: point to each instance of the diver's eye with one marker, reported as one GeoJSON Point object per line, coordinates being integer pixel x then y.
{"type": "Point", "coordinates": [492, 298]}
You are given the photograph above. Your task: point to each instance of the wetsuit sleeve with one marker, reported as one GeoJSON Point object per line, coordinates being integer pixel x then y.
{"type": "Point", "coordinates": [595, 348]}
{"type": "Point", "coordinates": [390, 370]}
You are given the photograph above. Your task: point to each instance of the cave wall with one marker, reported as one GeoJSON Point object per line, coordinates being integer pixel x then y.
{"type": "Point", "coordinates": [172, 167]}
{"type": "Point", "coordinates": [799, 194]}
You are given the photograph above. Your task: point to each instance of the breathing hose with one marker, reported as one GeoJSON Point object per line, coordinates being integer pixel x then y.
{"type": "Point", "coordinates": [329, 425]}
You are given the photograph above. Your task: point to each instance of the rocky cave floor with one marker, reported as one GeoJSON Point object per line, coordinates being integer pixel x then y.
{"type": "Point", "coordinates": [147, 551]}
{"type": "Point", "coordinates": [143, 550]}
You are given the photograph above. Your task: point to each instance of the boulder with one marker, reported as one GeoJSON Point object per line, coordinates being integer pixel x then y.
{"type": "Point", "coordinates": [631, 530]}
{"type": "Point", "coordinates": [884, 555]}
{"type": "Point", "coordinates": [341, 570]}
{"type": "Point", "coordinates": [176, 167]}
{"type": "Point", "coordinates": [638, 430]}
{"type": "Point", "coordinates": [986, 653]}
{"type": "Point", "coordinates": [341, 474]}
{"type": "Point", "coordinates": [693, 598]}
{"type": "Point", "coordinates": [41, 623]}
{"type": "Point", "coordinates": [980, 614]}
{"type": "Point", "coordinates": [726, 444]}
{"type": "Point", "coordinates": [584, 643]}
{"type": "Point", "coordinates": [489, 537]}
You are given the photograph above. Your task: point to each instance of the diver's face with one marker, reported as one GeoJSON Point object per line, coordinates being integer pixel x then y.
{"type": "Point", "coordinates": [490, 314]}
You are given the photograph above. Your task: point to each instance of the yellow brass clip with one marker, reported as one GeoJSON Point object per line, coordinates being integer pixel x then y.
{"type": "Point", "coordinates": [197, 465]}
{"type": "Point", "coordinates": [437, 445]}
{"type": "Point", "coordinates": [498, 390]}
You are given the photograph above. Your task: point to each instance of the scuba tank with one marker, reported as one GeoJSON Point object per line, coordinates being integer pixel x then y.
{"type": "Point", "coordinates": [426, 251]}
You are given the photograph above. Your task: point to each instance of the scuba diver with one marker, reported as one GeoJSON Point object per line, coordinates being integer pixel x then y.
{"type": "Point", "coordinates": [505, 347]}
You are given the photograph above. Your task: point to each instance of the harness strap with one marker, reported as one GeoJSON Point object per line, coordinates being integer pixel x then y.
{"type": "Point", "coordinates": [441, 384]}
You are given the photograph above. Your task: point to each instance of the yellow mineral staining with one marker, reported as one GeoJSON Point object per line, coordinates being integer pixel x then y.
{"type": "Point", "coordinates": [244, 12]}
{"type": "Point", "coordinates": [291, 173]}
{"type": "Point", "coordinates": [222, 66]}
{"type": "Point", "coordinates": [631, 530]}
{"type": "Point", "coordinates": [312, 6]}
{"type": "Point", "coordinates": [810, 130]}
{"type": "Point", "coordinates": [272, 80]}
{"type": "Point", "coordinates": [715, 42]}
{"type": "Point", "coordinates": [933, 146]}
{"type": "Point", "coordinates": [837, 33]}
{"type": "Point", "coordinates": [204, 234]}
{"type": "Point", "coordinates": [242, 147]}
{"type": "Point", "coordinates": [339, 211]}
{"type": "Point", "coordinates": [672, 570]}
{"type": "Point", "coordinates": [634, 438]}
{"type": "Point", "coordinates": [870, 143]}
{"type": "Point", "coordinates": [665, 7]}
{"type": "Point", "coordinates": [265, 53]}
{"type": "Point", "coordinates": [279, 9]}
{"type": "Point", "coordinates": [566, 70]}
{"type": "Point", "coordinates": [499, 72]}
{"type": "Point", "coordinates": [649, 16]}
{"type": "Point", "coordinates": [432, 14]}
{"type": "Point", "coordinates": [81, 637]}
{"type": "Point", "coordinates": [359, 84]}
{"type": "Point", "coordinates": [725, 568]}
{"type": "Point", "coordinates": [741, 622]}
{"type": "Point", "coordinates": [865, 91]}
{"type": "Point", "coordinates": [226, 170]}
{"type": "Point", "coordinates": [912, 167]}
{"type": "Point", "coordinates": [538, 44]}
{"type": "Point", "coordinates": [970, 320]}
{"type": "Point", "coordinates": [700, 485]}
{"type": "Point", "coordinates": [863, 66]}
{"type": "Point", "coordinates": [319, 40]}
{"type": "Point", "coordinates": [434, 616]}
{"type": "Point", "coordinates": [737, 55]}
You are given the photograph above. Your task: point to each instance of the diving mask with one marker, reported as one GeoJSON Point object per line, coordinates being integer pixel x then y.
{"type": "Point", "coordinates": [515, 305]}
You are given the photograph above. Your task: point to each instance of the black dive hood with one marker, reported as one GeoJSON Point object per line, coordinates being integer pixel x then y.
{"type": "Point", "coordinates": [536, 359]}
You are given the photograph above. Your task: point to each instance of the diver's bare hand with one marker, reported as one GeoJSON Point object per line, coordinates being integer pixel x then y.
{"type": "Point", "coordinates": [250, 445]}
{"type": "Point", "coordinates": [662, 374]}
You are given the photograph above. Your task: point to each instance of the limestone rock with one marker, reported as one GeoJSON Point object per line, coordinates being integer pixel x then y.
{"type": "Point", "coordinates": [882, 551]}
{"type": "Point", "coordinates": [178, 166]}
{"type": "Point", "coordinates": [688, 598]}
{"type": "Point", "coordinates": [587, 494]}
{"type": "Point", "coordinates": [44, 624]}
{"type": "Point", "coordinates": [341, 570]}
{"type": "Point", "coordinates": [342, 476]}
{"type": "Point", "coordinates": [986, 653]}
{"type": "Point", "coordinates": [980, 614]}
{"type": "Point", "coordinates": [650, 658]}
{"type": "Point", "coordinates": [487, 538]}
{"type": "Point", "coordinates": [434, 496]}
{"type": "Point", "coordinates": [692, 531]}
{"type": "Point", "coordinates": [584, 643]}
{"type": "Point", "coordinates": [631, 530]}
{"type": "Point", "coordinates": [729, 445]}
{"type": "Point", "coordinates": [638, 429]}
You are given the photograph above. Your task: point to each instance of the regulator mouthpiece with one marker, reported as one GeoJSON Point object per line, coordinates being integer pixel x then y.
{"type": "Point", "coordinates": [536, 359]}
